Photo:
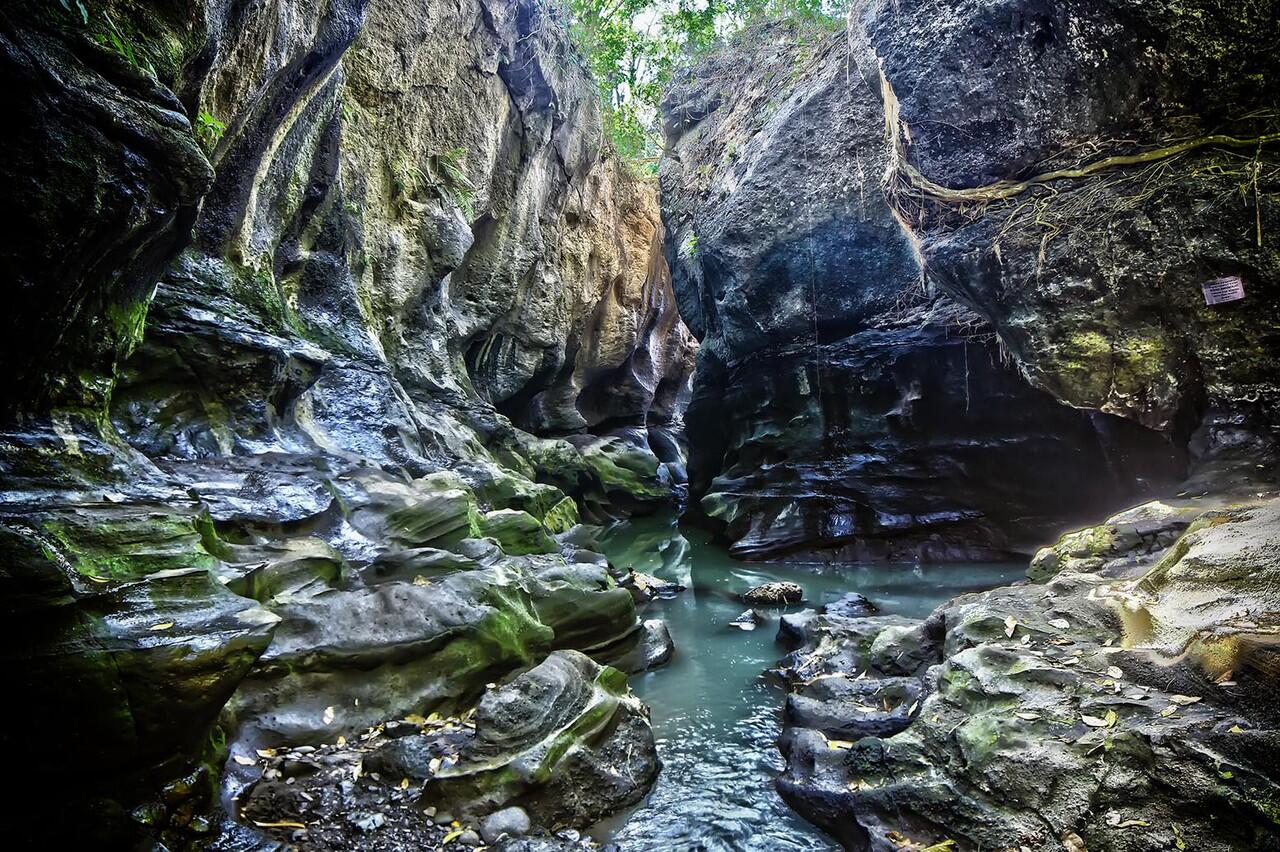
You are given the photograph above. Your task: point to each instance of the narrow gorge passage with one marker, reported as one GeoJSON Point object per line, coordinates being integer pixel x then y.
{"type": "Point", "coordinates": [715, 713]}
{"type": "Point", "coordinates": [657, 425]}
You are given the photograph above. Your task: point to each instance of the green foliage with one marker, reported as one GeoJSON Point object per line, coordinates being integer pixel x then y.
{"type": "Point", "coordinates": [208, 130]}
{"type": "Point", "coordinates": [444, 176]}
{"type": "Point", "coordinates": [114, 38]}
{"type": "Point", "coordinates": [80, 7]}
{"type": "Point", "coordinates": [634, 46]}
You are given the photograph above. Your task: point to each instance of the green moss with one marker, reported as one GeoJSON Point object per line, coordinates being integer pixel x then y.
{"type": "Point", "coordinates": [1083, 366]}
{"type": "Point", "coordinates": [979, 739]}
{"type": "Point", "coordinates": [561, 517]}
{"type": "Point", "coordinates": [129, 544]}
{"type": "Point", "coordinates": [518, 532]}
{"type": "Point", "coordinates": [127, 322]}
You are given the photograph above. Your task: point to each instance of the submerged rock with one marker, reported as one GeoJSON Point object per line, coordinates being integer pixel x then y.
{"type": "Point", "coordinates": [850, 605]}
{"type": "Point", "coordinates": [749, 620]}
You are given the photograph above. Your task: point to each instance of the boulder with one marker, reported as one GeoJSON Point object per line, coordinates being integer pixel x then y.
{"type": "Point", "coordinates": [773, 594]}
{"type": "Point", "coordinates": [509, 822]}
{"type": "Point", "coordinates": [566, 738]}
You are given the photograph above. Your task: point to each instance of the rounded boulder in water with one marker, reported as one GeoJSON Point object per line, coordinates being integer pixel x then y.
{"type": "Point", "coordinates": [774, 594]}
{"type": "Point", "coordinates": [852, 605]}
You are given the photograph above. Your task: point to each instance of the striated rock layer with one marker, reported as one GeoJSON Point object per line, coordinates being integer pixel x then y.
{"type": "Point", "coordinates": [328, 325]}
{"type": "Point", "coordinates": [1126, 703]}
{"type": "Point", "coordinates": [1048, 187]}
{"type": "Point", "coordinates": [946, 268]}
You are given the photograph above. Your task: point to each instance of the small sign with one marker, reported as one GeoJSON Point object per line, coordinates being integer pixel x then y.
{"type": "Point", "coordinates": [1219, 290]}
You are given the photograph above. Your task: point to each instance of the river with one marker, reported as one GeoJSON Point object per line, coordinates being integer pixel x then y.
{"type": "Point", "coordinates": [714, 716]}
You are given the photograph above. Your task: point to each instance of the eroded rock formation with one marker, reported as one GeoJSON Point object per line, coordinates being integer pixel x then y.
{"type": "Point", "coordinates": [1046, 187]}
{"type": "Point", "coordinates": [895, 323]}
{"type": "Point", "coordinates": [327, 326]}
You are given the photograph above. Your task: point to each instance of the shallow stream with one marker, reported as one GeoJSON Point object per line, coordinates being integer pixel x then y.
{"type": "Point", "coordinates": [715, 717]}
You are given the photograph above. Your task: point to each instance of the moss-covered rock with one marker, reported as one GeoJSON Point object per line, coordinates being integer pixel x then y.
{"type": "Point", "coordinates": [519, 533]}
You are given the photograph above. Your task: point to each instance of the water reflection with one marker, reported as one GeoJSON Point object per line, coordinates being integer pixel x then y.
{"type": "Point", "coordinates": [715, 718]}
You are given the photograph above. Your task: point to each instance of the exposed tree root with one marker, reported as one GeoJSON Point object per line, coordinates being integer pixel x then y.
{"type": "Point", "coordinates": [902, 175]}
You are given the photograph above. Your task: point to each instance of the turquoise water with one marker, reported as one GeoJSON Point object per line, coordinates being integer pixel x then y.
{"type": "Point", "coordinates": [715, 718]}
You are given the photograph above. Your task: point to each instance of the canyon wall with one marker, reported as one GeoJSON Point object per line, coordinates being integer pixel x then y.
{"type": "Point", "coordinates": [908, 351]}
{"type": "Point", "coordinates": [948, 271]}
{"type": "Point", "coordinates": [328, 322]}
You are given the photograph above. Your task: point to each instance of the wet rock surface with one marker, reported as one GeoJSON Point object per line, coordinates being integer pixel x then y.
{"type": "Point", "coordinates": [847, 405]}
{"type": "Point", "coordinates": [773, 593]}
{"type": "Point", "coordinates": [335, 325]}
{"type": "Point", "coordinates": [1096, 706]}
{"type": "Point", "coordinates": [438, 780]}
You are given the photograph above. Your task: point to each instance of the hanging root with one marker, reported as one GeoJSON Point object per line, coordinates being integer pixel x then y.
{"type": "Point", "coordinates": [909, 190]}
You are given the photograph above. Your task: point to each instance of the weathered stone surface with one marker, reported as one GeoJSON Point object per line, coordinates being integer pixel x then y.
{"type": "Point", "coordinates": [1116, 707]}
{"type": "Point", "coordinates": [103, 179]}
{"type": "Point", "coordinates": [774, 594]}
{"type": "Point", "coordinates": [844, 404]}
{"type": "Point", "coordinates": [393, 241]}
{"type": "Point", "coordinates": [566, 738]}
{"type": "Point", "coordinates": [123, 645]}
{"type": "Point", "coordinates": [1094, 283]}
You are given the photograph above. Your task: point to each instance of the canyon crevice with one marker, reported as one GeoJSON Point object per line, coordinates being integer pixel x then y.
{"type": "Point", "coordinates": [336, 331]}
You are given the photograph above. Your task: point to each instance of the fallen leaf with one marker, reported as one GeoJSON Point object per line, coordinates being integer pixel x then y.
{"type": "Point", "coordinates": [284, 823]}
{"type": "Point", "coordinates": [1169, 711]}
{"type": "Point", "coordinates": [1010, 625]}
{"type": "Point", "coordinates": [328, 715]}
{"type": "Point", "coordinates": [164, 625]}
{"type": "Point", "coordinates": [421, 581]}
{"type": "Point", "coordinates": [342, 741]}
{"type": "Point", "coordinates": [266, 752]}
{"type": "Point", "coordinates": [1093, 721]}
{"type": "Point", "coordinates": [1028, 716]}
{"type": "Point", "coordinates": [1184, 700]}
{"type": "Point", "coordinates": [357, 770]}
{"type": "Point", "coordinates": [1111, 718]}
{"type": "Point", "coordinates": [840, 744]}
{"type": "Point", "coordinates": [1235, 729]}
{"type": "Point", "coordinates": [1224, 677]}
{"type": "Point", "coordinates": [415, 719]}
{"type": "Point", "coordinates": [1115, 672]}
{"type": "Point", "coordinates": [1060, 623]}
{"type": "Point", "coordinates": [915, 705]}
{"type": "Point", "coordinates": [434, 765]}
{"type": "Point", "coordinates": [243, 760]}
{"type": "Point", "coordinates": [453, 835]}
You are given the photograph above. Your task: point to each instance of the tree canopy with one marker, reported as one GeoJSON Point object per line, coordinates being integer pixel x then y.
{"type": "Point", "coordinates": [634, 46]}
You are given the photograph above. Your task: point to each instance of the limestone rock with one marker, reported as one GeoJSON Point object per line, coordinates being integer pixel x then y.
{"type": "Point", "coordinates": [1048, 710]}
{"type": "Point", "coordinates": [566, 737]}
{"type": "Point", "coordinates": [845, 405]}
{"type": "Point", "coordinates": [773, 594]}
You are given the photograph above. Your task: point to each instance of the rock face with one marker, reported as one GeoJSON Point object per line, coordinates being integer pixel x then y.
{"type": "Point", "coordinates": [1127, 705]}
{"type": "Point", "coordinates": [328, 325]}
{"type": "Point", "coordinates": [946, 269]}
{"type": "Point", "coordinates": [895, 335]}
{"type": "Point", "coordinates": [565, 739]}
